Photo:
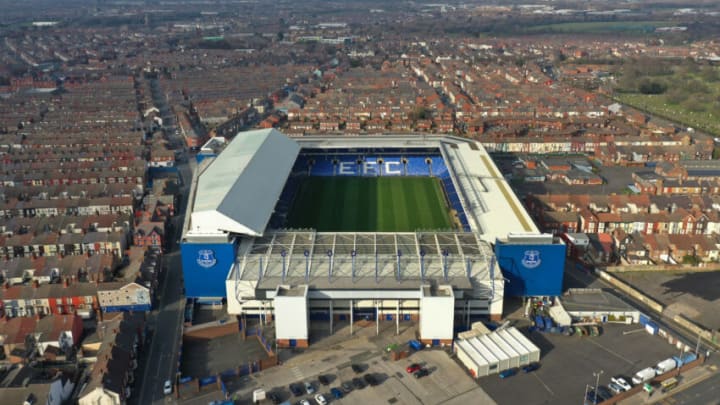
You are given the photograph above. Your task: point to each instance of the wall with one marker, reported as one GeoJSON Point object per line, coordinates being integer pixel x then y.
{"type": "Point", "coordinates": [205, 267]}
{"type": "Point", "coordinates": [664, 267]}
{"type": "Point", "coordinates": [628, 289]}
{"type": "Point", "coordinates": [130, 297]}
{"type": "Point", "coordinates": [531, 270]}
{"type": "Point", "coordinates": [291, 318]}
{"type": "Point", "coordinates": [212, 330]}
{"type": "Point", "coordinates": [436, 318]}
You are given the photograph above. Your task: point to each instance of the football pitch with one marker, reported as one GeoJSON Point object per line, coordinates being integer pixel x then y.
{"type": "Point", "coordinates": [370, 204]}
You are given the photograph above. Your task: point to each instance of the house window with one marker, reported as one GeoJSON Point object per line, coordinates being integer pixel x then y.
{"type": "Point", "coordinates": [89, 300]}
{"type": "Point", "coordinates": [59, 301]}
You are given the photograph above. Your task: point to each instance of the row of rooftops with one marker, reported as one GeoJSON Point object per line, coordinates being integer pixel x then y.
{"type": "Point", "coordinates": [63, 224]}
{"type": "Point", "coordinates": [53, 277]}
{"type": "Point", "coordinates": [119, 339]}
{"type": "Point", "coordinates": [618, 203]}
{"type": "Point", "coordinates": [69, 191]}
{"type": "Point", "coordinates": [12, 207]}
{"type": "Point", "coordinates": [46, 329]}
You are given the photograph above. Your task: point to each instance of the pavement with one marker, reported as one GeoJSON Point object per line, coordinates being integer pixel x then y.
{"type": "Point", "coordinates": [333, 355]}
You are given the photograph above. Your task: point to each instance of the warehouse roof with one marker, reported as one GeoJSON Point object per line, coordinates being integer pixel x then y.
{"type": "Point", "coordinates": [238, 190]}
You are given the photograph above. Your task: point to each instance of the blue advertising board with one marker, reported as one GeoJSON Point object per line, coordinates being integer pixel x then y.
{"type": "Point", "coordinates": [531, 270]}
{"type": "Point", "coordinates": [205, 267]}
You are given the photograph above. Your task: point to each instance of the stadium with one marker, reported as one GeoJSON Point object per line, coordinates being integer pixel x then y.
{"type": "Point", "coordinates": [336, 229]}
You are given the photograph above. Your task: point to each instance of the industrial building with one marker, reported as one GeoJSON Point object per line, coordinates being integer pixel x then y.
{"type": "Point", "coordinates": [236, 248]}
{"type": "Point", "coordinates": [495, 352]}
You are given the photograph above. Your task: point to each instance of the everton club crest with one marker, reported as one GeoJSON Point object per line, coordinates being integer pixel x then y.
{"type": "Point", "coordinates": [531, 259]}
{"type": "Point", "coordinates": [206, 258]}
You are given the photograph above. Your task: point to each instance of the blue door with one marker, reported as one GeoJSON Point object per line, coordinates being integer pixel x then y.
{"type": "Point", "coordinates": [293, 342]}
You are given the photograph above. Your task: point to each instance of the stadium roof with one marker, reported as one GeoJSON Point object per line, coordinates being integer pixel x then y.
{"type": "Point", "coordinates": [237, 192]}
{"type": "Point", "coordinates": [366, 260]}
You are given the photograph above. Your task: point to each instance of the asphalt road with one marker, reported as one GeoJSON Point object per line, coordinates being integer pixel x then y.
{"type": "Point", "coordinates": [706, 392]}
{"type": "Point", "coordinates": [159, 361]}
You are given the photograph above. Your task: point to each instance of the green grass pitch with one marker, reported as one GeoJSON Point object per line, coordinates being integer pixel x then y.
{"type": "Point", "coordinates": [370, 204]}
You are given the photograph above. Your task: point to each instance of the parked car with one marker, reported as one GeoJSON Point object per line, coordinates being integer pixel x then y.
{"type": "Point", "coordinates": [615, 388]}
{"type": "Point", "coordinates": [421, 373]}
{"type": "Point", "coordinates": [357, 368]}
{"type": "Point", "coordinates": [604, 393]}
{"type": "Point", "coordinates": [346, 386]}
{"type": "Point", "coordinates": [622, 382]}
{"type": "Point", "coordinates": [508, 373]}
{"type": "Point", "coordinates": [320, 399]}
{"type": "Point", "coordinates": [413, 368]}
{"type": "Point", "coordinates": [296, 389]}
{"type": "Point", "coordinates": [370, 379]}
{"type": "Point", "coordinates": [167, 387]}
{"type": "Point", "coordinates": [336, 392]}
{"type": "Point", "coordinates": [274, 397]}
{"type": "Point", "coordinates": [324, 380]}
{"type": "Point", "coordinates": [304, 402]}
{"type": "Point", "coordinates": [531, 367]}
{"type": "Point", "coordinates": [591, 398]}
{"type": "Point", "coordinates": [309, 388]}
{"type": "Point", "coordinates": [358, 383]}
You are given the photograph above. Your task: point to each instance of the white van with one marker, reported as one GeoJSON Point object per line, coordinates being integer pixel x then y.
{"type": "Point", "coordinates": [643, 376]}
{"type": "Point", "coordinates": [665, 366]}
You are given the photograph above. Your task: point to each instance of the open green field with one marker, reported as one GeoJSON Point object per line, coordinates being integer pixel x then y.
{"type": "Point", "coordinates": [599, 27]}
{"type": "Point", "coordinates": [705, 120]}
{"type": "Point", "coordinates": [370, 204]}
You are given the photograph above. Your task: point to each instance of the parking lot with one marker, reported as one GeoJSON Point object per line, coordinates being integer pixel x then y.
{"type": "Point", "coordinates": [203, 358]}
{"type": "Point", "coordinates": [568, 364]}
{"type": "Point", "coordinates": [693, 294]}
{"type": "Point", "coordinates": [334, 357]}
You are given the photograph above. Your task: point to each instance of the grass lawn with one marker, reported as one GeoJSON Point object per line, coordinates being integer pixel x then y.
{"type": "Point", "coordinates": [707, 121]}
{"type": "Point", "coordinates": [596, 27]}
{"type": "Point", "coordinates": [370, 204]}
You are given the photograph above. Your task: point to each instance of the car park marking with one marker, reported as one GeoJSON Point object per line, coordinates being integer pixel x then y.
{"type": "Point", "coordinates": [619, 356]}
{"type": "Point", "coordinates": [543, 383]}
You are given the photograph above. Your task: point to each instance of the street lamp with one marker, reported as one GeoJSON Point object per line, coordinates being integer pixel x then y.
{"type": "Point", "coordinates": [597, 383]}
{"type": "Point", "coordinates": [586, 392]}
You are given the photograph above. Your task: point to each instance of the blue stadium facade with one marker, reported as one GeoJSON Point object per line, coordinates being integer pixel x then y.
{"type": "Point", "coordinates": [205, 267]}
{"type": "Point", "coordinates": [531, 270]}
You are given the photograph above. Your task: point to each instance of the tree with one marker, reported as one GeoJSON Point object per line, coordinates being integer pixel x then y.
{"type": "Point", "coordinates": [648, 86]}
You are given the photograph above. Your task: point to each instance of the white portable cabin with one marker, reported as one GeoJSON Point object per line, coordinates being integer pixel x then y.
{"type": "Point", "coordinates": [495, 352]}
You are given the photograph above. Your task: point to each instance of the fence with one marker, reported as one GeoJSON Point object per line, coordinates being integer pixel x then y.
{"type": "Point", "coordinates": [206, 383]}
{"type": "Point", "coordinates": [629, 290]}
{"type": "Point", "coordinates": [636, 389]}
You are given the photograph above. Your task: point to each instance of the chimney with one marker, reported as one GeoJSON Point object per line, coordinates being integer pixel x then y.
{"type": "Point", "coordinates": [36, 284]}
{"type": "Point", "coordinates": [66, 283]}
